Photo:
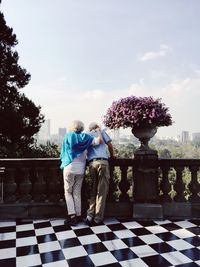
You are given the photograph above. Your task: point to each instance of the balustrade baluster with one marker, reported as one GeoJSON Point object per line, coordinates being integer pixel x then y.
{"type": "Point", "coordinates": [9, 186]}
{"type": "Point", "coordinates": [124, 185]}
{"type": "Point", "coordinates": [25, 185]}
{"type": "Point", "coordinates": [54, 194]}
{"type": "Point", "coordinates": [39, 186]}
{"type": "Point", "coordinates": [2, 173]}
{"type": "Point", "coordinates": [179, 186]}
{"type": "Point", "coordinates": [165, 185]}
{"type": "Point", "coordinates": [194, 186]}
{"type": "Point", "coordinates": [112, 186]}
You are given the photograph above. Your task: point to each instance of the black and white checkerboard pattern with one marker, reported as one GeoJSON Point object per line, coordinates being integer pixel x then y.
{"type": "Point", "coordinates": [49, 243]}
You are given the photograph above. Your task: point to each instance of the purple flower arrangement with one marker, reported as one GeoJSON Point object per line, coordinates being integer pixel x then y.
{"type": "Point", "coordinates": [137, 112]}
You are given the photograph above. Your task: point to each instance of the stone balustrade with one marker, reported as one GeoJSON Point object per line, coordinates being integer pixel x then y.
{"type": "Point", "coordinates": [32, 188]}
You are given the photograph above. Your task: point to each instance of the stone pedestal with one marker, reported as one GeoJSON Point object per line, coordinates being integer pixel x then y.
{"type": "Point", "coordinates": [146, 188]}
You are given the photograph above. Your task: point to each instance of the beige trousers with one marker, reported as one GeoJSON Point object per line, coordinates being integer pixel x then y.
{"type": "Point", "coordinates": [100, 175]}
{"type": "Point", "coordinates": [72, 189]}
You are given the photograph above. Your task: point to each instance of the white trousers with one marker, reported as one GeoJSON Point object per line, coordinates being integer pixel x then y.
{"type": "Point", "coordinates": [72, 189]}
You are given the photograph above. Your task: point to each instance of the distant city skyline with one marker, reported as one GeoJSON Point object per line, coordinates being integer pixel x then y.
{"type": "Point", "coordinates": [83, 55]}
{"type": "Point", "coordinates": [46, 133]}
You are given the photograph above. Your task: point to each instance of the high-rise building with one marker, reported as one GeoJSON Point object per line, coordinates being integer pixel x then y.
{"type": "Point", "coordinates": [196, 136]}
{"type": "Point", "coordinates": [185, 136]}
{"type": "Point", "coordinates": [44, 133]}
{"type": "Point", "coordinates": [62, 132]}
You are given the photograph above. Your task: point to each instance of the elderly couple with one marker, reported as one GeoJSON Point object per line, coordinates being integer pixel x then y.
{"type": "Point", "coordinates": [76, 148]}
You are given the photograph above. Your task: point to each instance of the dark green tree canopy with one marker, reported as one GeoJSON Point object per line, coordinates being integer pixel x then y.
{"type": "Point", "coordinates": [20, 118]}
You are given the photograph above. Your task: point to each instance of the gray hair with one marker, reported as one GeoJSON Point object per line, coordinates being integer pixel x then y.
{"type": "Point", "coordinates": [76, 126]}
{"type": "Point", "coordinates": [93, 126]}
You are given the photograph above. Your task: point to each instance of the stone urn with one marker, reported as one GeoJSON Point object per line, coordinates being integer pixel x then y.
{"type": "Point", "coordinates": [144, 134]}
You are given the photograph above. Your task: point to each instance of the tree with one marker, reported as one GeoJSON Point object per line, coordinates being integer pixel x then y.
{"type": "Point", "coordinates": [20, 118]}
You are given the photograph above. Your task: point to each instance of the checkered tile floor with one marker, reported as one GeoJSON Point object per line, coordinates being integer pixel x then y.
{"type": "Point", "coordinates": [115, 243]}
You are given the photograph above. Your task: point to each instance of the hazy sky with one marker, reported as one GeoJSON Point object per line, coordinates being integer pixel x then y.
{"type": "Point", "coordinates": [83, 54]}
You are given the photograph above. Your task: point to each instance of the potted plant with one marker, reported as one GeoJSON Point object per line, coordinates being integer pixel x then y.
{"type": "Point", "coordinates": [142, 114]}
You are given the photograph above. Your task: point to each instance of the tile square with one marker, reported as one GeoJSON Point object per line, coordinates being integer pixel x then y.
{"type": "Point", "coordinates": [194, 230]}
{"type": "Point", "coordinates": [171, 226]}
{"type": "Point", "coordinates": [140, 231]}
{"type": "Point", "coordinates": [132, 225]}
{"type": "Point", "coordinates": [150, 239]}
{"type": "Point", "coordinates": [180, 244]}
{"type": "Point", "coordinates": [168, 236]}
{"type": "Point", "coordinates": [162, 247]}
{"type": "Point", "coordinates": [8, 262]}
{"type": "Point", "coordinates": [114, 244]}
{"type": "Point", "coordinates": [157, 261]}
{"type": "Point", "coordinates": [182, 233]}
{"type": "Point", "coordinates": [84, 231]}
{"type": "Point", "coordinates": [190, 264]}
{"type": "Point", "coordinates": [7, 236]}
{"type": "Point", "coordinates": [103, 258]}
{"type": "Point", "coordinates": [185, 224]}
{"type": "Point", "coordinates": [124, 254]}
{"type": "Point", "coordinates": [25, 261]}
{"type": "Point", "coordinates": [176, 258]}
{"type": "Point", "coordinates": [95, 248]}
{"type": "Point", "coordinates": [25, 233]}
{"type": "Point", "coordinates": [62, 263]}
{"type": "Point", "coordinates": [27, 250]}
{"type": "Point", "coordinates": [144, 251]}
{"type": "Point", "coordinates": [46, 238]}
{"type": "Point", "coordinates": [7, 229]}
{"type": "Point", "coordinates": [61, 228]}
{"type": "Point", "coordinates": [161, 222]}
{"type": "Point", "coordinates": [89, 239]}
{"type": "Point", "coordinates": [42, 224]}
{"type": "Point", "coordinates": [147, 223]}
{"type": "Point", "coordinates": [57, 222]}
{"type": "Point", "coordinates": [7, 253]}
{"type": "Point", "coordinates": [46, 230]}
{"type": "Point", "coordinates": [65, 234]}
{"type": "Point", "coordinates": [116, 227]}
{"type": "Point", "coordinates": [116, 264]}
{"type": "Point", "coordinates": [7, 223]}
{"type": "Point", "coordinates": [25, 227]}
{"type": "Point", "coordinates": [7, 243]}
{"type": "Point", "coordinates": [53, 256]}
{"type": "Point", "coordinates": [195, 241]}
{"type": "Point", "coordinates": [156, 229]}
{"type": "Point", "coordinates": [49, 246]}
{"type": "Point", "coordinates": [100, 229]}
{"type": "Point", "coordinates": [74, 252]}
{"type": "Point", "coordinates": [124, 233]}
{"type": "Point", "coordinates": [193, 253]}
{"type": "Point", "coordinates": [195, 221]}
{"type": "Point", "coordinates": [71, 242]}
{"type": "Point", "coordinates": [133, 241]}
{"type": "Point", "coordinates": [80, 261]}
{"type": "Point", "coordinates": [107, 236]}
{"type": "Point", "coordinates": [26, 241]}
{"type": "Point", "coordinates": [133, 263]}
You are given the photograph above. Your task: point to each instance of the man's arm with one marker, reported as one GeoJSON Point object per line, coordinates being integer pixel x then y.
{"type": "Point", "coordinates": [110, 149]}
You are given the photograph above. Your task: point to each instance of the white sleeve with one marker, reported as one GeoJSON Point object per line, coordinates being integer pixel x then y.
{"type": "Point", "coordinates": [95, 141]}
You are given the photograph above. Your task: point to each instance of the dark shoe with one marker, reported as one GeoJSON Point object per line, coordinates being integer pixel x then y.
{"type": "Point", "coordinates": [70, 221]}
{"type": "Point", "coordinates": [89, 221]}
{"type": "Point", "coordinates": [79, 219]}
